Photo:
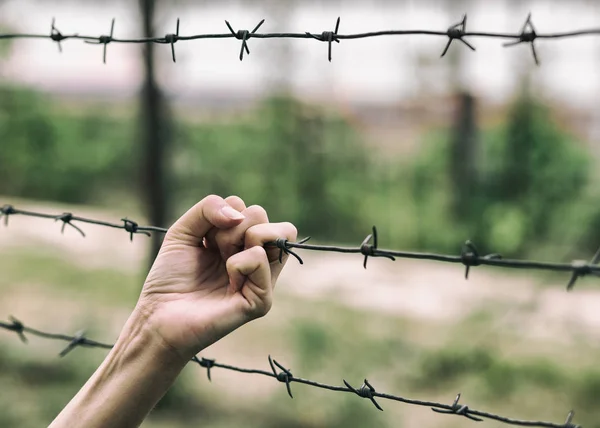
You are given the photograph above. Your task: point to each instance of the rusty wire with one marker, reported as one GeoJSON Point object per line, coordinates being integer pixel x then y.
{"type": "Point", "coordinates": [457, 32]}
{"type": "Point", "coordinates": [468, 257]}
{"type": "Point", "coordinates": [284, 375]}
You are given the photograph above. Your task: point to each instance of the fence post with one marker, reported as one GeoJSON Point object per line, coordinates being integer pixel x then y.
{"type": "Point", "coordinates": [155, 133]}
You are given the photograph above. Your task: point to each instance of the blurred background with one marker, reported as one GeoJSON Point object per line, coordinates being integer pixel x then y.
{"type": "Point", "coordinates": [478, 145]}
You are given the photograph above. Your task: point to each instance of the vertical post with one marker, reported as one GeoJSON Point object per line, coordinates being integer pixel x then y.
{"type": "Point", "coordinates": [155, 124]}
{"type": "Point", "coordinates": [463, 154]}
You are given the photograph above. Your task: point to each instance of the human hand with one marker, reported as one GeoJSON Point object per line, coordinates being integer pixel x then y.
{"type": "Point", "coordinates": [212, 274]}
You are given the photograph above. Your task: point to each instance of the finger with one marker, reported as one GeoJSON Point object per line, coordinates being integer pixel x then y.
{"type": "Point", "coordinates": [260, 234]}
{"type": "Point", "coordinates": [249, 275]}
{"type": "Point", "coordinates": [237, 203]}
{"type": "Point", "coordinates": [212, 211]}
{"type": "Point", "coordinates": [231, 241]}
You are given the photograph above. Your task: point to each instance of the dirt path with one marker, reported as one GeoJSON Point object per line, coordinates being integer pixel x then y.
{"type": "Point", "coordinates": [421, 290]}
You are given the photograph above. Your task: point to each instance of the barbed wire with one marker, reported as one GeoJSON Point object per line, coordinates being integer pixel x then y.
{"type": "Point", "coordinates": [457, 32]}
{"type": "Point", "coordinates": [468, 257]}
{"type": "Point", "coordinates": [284, 375]}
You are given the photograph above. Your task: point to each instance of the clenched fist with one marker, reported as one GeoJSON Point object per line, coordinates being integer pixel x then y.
{"type": "Point", "coordinates": [212, 274]}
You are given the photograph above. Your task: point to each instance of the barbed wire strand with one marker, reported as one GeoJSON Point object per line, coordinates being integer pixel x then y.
{"type": "Point", "coordinates": [457, 32]}
{"type": "Point", "coordinates": [281, 374]}
{"type": "Point", "coordinates": [469, 256]}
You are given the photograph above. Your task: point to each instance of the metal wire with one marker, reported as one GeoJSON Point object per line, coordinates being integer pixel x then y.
{"type": "Point", "coordinates": [468, 257]}
{"type": "Point", "coordinates": [456, 32]}
{"type": "Point", "coordinates": [283, 375]}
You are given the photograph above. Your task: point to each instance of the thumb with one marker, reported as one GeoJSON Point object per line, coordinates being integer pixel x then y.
{"type": "Point", "coordinates": [212, 211]}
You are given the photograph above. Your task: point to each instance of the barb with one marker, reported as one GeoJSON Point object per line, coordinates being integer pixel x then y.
{"type": "Point", "coordinates": [329, 37]}
{"type": "Point", "coordinates": [103, 40]}
{"type": "Point", "coordinates": [285, 376]}
{"type": "Point", "coordinates": [528, 35]}
{"type": "Point", "coordinates": [469, 256]}
{"type": "Point", "coordinates": [172, 39]}
{"type": "Point", "coordinates": [244, 35]}
{"type": "Point", "coordinates": [455, 32]}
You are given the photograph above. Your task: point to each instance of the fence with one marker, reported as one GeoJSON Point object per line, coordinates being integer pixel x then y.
{"type": "Point", "coordinates": [469, 255]}
{"type": "Point", "coordinates": [366, 390]}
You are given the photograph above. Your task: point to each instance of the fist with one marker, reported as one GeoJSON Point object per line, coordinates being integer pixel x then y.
{"type": "Point", "coordinates": [213, 273]}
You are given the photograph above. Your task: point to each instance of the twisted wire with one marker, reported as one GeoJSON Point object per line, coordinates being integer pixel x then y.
{"type": "Point", "coordinates": [284, 375]}
{"type": "Point", "coordinates": [469, 256]}
{"type": "Point", "coordinates": [456, 32]}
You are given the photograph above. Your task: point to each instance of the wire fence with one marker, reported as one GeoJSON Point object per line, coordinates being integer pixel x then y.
{"type": "Point", "coordinates": [468, 257]}
{"type": "Point", "coordinates": [456, 32]}
{"type": "Point", "coordinates": [281, 374]}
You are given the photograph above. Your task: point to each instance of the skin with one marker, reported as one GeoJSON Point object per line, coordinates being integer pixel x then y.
{"type": "Point", "coordinates": [211, 276]}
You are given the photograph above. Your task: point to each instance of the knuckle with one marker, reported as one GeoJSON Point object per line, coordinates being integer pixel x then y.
{"type": "Point", "coordinates": [258, 252]}
{"type": "Point", "coordinates": [231, 263]}
{"type": "Point", "coordinates": [253, 233]}
{"type": "Point", "coordinates": [207, 204]}
{"type": "Point", "coordinates": [265, 308]}
{"type": "Point", "coordinates": [261, 309]}
{"type": "Point", "coordinates": [257, 211]}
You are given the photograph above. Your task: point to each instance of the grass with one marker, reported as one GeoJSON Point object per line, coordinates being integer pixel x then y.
{"type": "Point", "coordinates": [106, 286]}
{"type": "Point", "coordinates": [494, 368]}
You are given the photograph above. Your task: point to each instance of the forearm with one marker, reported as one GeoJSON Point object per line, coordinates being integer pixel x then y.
{"type": "Point", "coordinates": [132, 379]}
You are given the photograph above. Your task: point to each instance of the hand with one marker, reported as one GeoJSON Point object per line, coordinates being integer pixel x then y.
{"type": "Point", "coordinates": [212, 274]}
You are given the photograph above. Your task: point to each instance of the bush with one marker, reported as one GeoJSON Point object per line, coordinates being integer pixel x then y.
{"type": "Point", "coordinates": [530, 173]}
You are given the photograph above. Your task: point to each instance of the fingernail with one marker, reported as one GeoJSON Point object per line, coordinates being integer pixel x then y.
{"type": "Point", "coordinates": [231, 213]}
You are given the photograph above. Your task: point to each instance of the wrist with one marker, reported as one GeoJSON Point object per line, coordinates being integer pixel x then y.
{"type": "Point", "coordinates": [141, 335]}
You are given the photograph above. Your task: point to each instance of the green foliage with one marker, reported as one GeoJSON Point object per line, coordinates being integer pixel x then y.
{"type": "Point", "coordinates": [588, 389]}
{"type": "Point", "coordinates": [301, 164]}
{"type": "Point", "coordinates": [313, 344]}
{"type": "Point", "coordinates": [451, 364]}
{"type": "Point", "coordinates": [49, 155]}
{"type": "Point", "coordinates": [530, 173]}
{"type": "Point", "coordinates": [497, 377]}
{"type": "Point", "coordinates": [309, 166]}
{"type": "Point", "coordinates": [27, 376]}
